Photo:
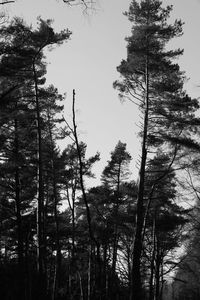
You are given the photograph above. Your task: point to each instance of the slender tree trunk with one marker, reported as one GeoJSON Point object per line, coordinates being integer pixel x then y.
{"type": "Point", "coordinates": [72, 259]}
{"type": "Point", "coordinates": [73, 222]}
{"type": "Point", "coordinates": [157, 275]}
{"type": "Point", "coordinates": [91, 234]}
{"type": "Point", "coordinates": [105, 275]}
{"type": "Point", "coordinates": [93, 240]}
{"type": "Point", "coordinates": [58, 250]}
{"type": "Point", "coordinates": [81, 286]}
{"type": "Point", "coordinates": [162, 282]}
{"type": "Point", "coordinates": [70, 285]}
{"type": "Point", "coordinates": [40, 207]}
{"type": "Point", "coordinates": [57, 271]}
{"type": "Point", "coordinates": [98, 272]}
{"type": "Point", "coordinates": [116, 236]}
{"type": "Point", "coordinates": [27, 269]}
{"type": "Point", "coordinates": [115, 248]}
{"type": "Point", "coordinates": [89, 273]}
{"type": "Point", "coordinates": [136, 288]}
{"type": "Point", "coordinates": [114, 258]}
{"type": "Point", "coordinates": [129, 267]}
{"type": "Point", "coordinates": [151, 280]}
{"type": "Point", "coordinates": [20, 247]}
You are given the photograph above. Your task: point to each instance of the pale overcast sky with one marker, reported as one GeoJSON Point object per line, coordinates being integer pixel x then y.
{"type": "Point", "coordinates": [88, 64]}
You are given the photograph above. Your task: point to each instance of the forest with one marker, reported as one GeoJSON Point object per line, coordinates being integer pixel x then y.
{"type": "Point", "coordinates": [123, 239]}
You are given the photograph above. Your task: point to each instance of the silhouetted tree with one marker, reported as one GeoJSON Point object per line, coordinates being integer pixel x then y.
{"type": "Point", "coordinates": [150, 78]}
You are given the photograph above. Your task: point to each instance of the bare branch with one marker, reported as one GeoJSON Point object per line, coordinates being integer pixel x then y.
{"type": "Point", "coordinates": [87, 5]}
{"type": "Point", "coordinates": [6, 2]}
{"type": "Point", "coordinates": [192, 185]}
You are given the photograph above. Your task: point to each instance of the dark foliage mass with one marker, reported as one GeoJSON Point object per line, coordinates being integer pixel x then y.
{"type": "Point", "coordinates": [120, 240]}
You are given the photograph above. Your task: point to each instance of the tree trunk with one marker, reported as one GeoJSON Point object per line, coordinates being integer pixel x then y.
{"type": "Point", "coordinates": [89, 273]}
{"type": "Point", "coordinates": [73, 221]}
{"type": "Point", "coordinates": [57, 272]}
{"type": "Point", "coordinates": [162, 282]}
{"type": "Point", "coordinates": [116, 236]}
{"type": "Point", "coordinates": [93, 240]}
{"type": "Point", "coordinates": [40, 207]}
{"type": "Point", "coordinates": [105, 275]}
{"type": "Point", "coordinates": [20, 247]}
{"type": "Point", "coordinates": [157, 275]}
{"type": "Point", "coordinates": [136, 287]}
{"type": "Point", "coordinates": [81, 286]}
{"type": "Point", "coordinates": [151, 280]}
{"type": "Point", "coordinates": [27, 268]}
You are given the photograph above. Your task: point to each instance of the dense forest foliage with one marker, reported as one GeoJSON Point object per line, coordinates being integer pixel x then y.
{"type": "Point", "coordinates": [123, 239]}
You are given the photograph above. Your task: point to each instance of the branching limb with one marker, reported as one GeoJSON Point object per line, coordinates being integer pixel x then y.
{"type": "Point", "coordinates": [87, 5]}
{"type": "Point", "coordinates": [192, 185]}
{"type": "Point", "coordinates": [71, 130]}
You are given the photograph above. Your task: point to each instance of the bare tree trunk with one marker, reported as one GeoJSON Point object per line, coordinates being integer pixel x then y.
{"type": "Point", "coordinates": [81, 173]}
{"type": "Point", "coordinates": [20, 246]}
{"type": "Point", "coordinates": [40, 207]}
{"type": "Point", "coordinates": [27, 272]}
{"type": "Point", "coordinates": [105, 273]}
{"type": "Point", "coordinates": [73, 221]}
{"type": "Point", "coordinates": [93, 240]}
{"type": "Point", "coordinates": [157, 274]}
{"type": "Point", "coordinates": [162, 282]}
{"type": "Point", "coordinates": [89, 273]}
{"type": "Point", "coordinates": [136, 287]}
{"type": "Point", "coordinates": [56, 282]}
{"type": "Point", "coordinates": [116, 236]}
{"type": "Point", "coordinates": [115, 248]}
{"type": "Point", "coordinates": [151, 281]}
{"type": "Point", "coordinates": [72, 259]}
{"type": "Point", "coordinates": [129, 267]}
{"type": "Point", "coordinates": [70, 285]}
{"type": "Point", "coordinates": [81, 286]}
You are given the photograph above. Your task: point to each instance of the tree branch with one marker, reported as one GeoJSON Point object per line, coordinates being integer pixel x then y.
{"type": "Point", "coordinates": [6, 2]}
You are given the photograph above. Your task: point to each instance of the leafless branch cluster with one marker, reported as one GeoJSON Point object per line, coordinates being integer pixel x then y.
{"type": "Point", "coordinates": [86, 4]}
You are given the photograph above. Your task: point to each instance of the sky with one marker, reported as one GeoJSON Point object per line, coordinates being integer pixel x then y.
{"type": "Point", "coordinates": [88, 61]}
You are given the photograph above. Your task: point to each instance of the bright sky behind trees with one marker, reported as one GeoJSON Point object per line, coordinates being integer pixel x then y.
{"type": "Point", "coordinates": [88, 64]}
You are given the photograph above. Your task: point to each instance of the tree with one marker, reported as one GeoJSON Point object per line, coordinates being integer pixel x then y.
{"type": "Point", "coordinates": [154, 82]}
{"type": "Point", "coordinates": [101, 200]}
{"type": "Point", "coordinates": [40, 39]}
{"type": "Point", "coordinates": [113, 177]}
{"type": "Point", "coordinates": [186, 280]}
{"type": "Point", "coordinates": [23, 70]}
{"type": "Point", "coordinates": [164, 222]}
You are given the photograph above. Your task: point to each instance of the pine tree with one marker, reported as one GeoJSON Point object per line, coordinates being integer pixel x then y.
{"type": "Point", "coordinates": [27, 113]}
{"type": "Point", "coordinates": [152, 79]}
